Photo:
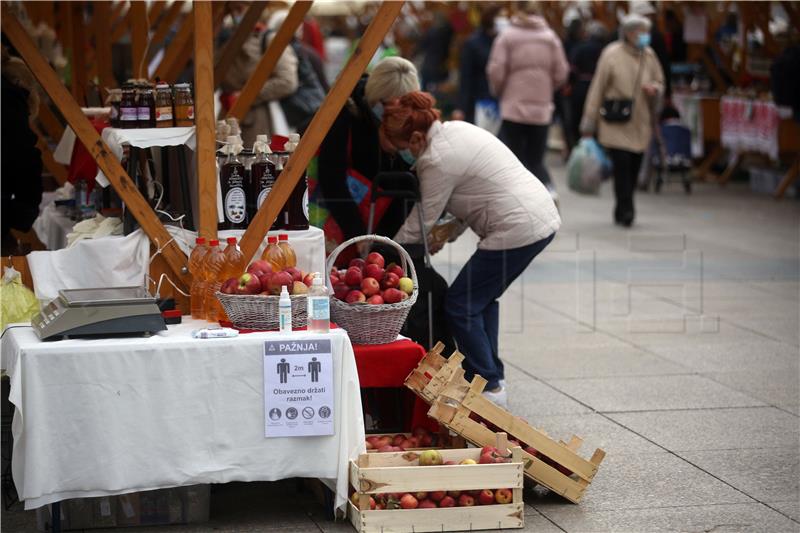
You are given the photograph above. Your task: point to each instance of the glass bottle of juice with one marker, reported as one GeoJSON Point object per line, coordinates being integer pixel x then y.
{"type": "Point", "coordinates": [233, 267]}
{"type": "Point", "coordinates": [296, 208]}
{"type": "Point", "coordinates": [214, 262]}
{"type": "Point", "coordinates": [274, 255]}
{"type": "Point", "coordinates": [184, 105]}
{"type": "Point", "coordinates": [146, 110]}
{"type": "Point", "coordinates": [232, 182]}
{"type": "Point", "coordinates": [290, 258]}
{"type": "Point", "coordinates": [164, 115]}
{"type": "Point", "coordinates": [262, 174]}
{"type": "Point", "coordinates": [197, 290]}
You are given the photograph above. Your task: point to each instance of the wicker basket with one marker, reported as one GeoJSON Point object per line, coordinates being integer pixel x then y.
{"type": "Point", "coordinates": [261, 312]}
{"type": "Point", "coordinates": [366, 323]}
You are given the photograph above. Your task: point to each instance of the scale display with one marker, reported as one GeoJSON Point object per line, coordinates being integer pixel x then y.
{"type": "Point", "coordinates": [99, 312]}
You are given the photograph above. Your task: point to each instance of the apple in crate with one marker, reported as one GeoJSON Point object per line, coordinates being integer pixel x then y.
{"type": "Point", "coordinates": [447, 501]}
{"type": "Point", "coordinates": [369, 286]}
{"type": "Point", "coordinates": [465, 500]}
{"type": "Point", "coordinates": [437, 495]}
{"type": "Point", "coordinates": [408, 501]}
{"type": "Point", "coordinates": [278, 280]}
{"type": "Point", "coordinates": [259, 266]}
{"type": "Point", "coordinates": [426, 504]}
{"type": "Point", "coordinates": [430, 458]}
{"type": "Point", "coordinates": [354, 297]}
{"type": "Point", "coordinates": [486, 497]}
{"type": "Point", "coordinates": [230, 285]}
{"type": "Point", "coordinates": [375, 259]}
{"type": "Point", "coordinates": [248, 284]}
{"type": "Point", "coordinates": [503, 496]}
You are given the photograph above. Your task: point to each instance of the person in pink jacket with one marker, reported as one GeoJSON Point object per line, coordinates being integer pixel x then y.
{"type": "Point", "coordinates": [526, 65]}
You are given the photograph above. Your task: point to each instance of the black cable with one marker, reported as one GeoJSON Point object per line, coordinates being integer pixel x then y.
{"type": "Point", "coordinates": [12, 327]}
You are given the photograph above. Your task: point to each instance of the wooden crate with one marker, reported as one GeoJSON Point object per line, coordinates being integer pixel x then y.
{"type": "Point", "coordinates": [455, 402]}
{"type": "Point", "coordinates": [443, 439]}
{"type": "Point", "coordinates": [400, 472]}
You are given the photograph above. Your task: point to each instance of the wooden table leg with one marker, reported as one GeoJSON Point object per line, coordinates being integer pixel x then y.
{"type": "Point", "coordinates": [730, 169]}
{"type": "Point", "coordinates": [790, 177]}
{"type": "Point", "coordinates": [703, 169]}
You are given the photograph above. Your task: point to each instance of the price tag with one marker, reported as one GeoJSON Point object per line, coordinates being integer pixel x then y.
{"type": "Point", "coordinates": [298, 388]}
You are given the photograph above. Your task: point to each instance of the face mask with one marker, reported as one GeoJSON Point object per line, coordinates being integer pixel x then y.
{"type": "Point", "coordinates": [377, 110]}
{"type": "Point", "coordinates": [407, 156]}
{"type": "Point", "coordinates": [643, 41]}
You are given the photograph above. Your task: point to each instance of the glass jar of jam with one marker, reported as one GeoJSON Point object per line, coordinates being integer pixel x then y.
{"type": "Point", "coordinates": [184, 105]}
{"type": "Point", "coordinates": [146, 110]}
{"type": "Point", "coordinates": [164, 115]}
{"type": "Point", "coordinates": [128, 111]}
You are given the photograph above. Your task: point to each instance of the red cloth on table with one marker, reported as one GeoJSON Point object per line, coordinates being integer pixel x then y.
{"type": "Point", "coordinates": [82, 165]}
{"type": "Point", "coordinates": [387, 366]}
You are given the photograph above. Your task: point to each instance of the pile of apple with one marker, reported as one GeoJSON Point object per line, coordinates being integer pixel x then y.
{"type": "Point", "coordinates": [441, 498]}
{"type": "Point", "coordinates": [420, 438]}
{"type": "Point", "coordinates": [367, 281]}
{"type": "Point", "coordinates": [259, 278]}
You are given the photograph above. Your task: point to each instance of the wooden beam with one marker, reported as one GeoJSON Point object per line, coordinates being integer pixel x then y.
{"type": "Point", "coordinates": [52, 125]}
{"type": "Point", "coordinates": [788, 178]}
{"type": "Point", "coordinates": [121, 25]}
{"type": "Point", "coordinates": [155, 10]}
{"type": "Point", "coordinates": [102, 154]}
{"type": "Point", "coordinates": [263, 71]}
{"type": "Point", "coordinates": [102, 41]}
{"type": "Point", "coordinates": [204, 118]}
{"type": "Point", "coordinates": [164, 26]}
{"type": "Point", "coordinates": [139, 31]}
{"type": "Point", "coordinates": [321, 123]}
{"type": "Point", "coordinates": [234, 44]}
{"type": "Point", "coordinates": [176, 54]}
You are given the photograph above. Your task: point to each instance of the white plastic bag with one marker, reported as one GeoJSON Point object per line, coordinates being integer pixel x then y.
{"type": "Point", "coordinates": [587, 167]}
{"type": "Point", "coordinates": [487, 115]}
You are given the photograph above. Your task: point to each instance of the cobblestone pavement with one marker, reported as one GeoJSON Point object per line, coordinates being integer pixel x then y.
{"type": "Point", "coordinates": [672, 345]}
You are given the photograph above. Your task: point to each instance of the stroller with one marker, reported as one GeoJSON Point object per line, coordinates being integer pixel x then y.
{"type": "Point", "coordinates": [672, 152]}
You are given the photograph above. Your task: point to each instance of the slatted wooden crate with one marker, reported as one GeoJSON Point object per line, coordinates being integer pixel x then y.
{"type": "Point", "coordinates": [455, 403]}
{"type": "Point", "coordinates": [399, 472]}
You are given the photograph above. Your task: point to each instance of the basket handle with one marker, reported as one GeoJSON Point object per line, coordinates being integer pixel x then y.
{"type": "Point", "coordinates": [405, 259]}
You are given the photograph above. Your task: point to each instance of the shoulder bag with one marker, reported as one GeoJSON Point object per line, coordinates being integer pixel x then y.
{"type": "Point", "coordinates": [620, 110]}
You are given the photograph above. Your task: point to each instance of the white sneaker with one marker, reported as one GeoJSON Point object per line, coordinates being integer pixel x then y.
{"type": "Point", "coordinates": [502, 383]}
{"type": "Point", "coordinates": [499, 397]}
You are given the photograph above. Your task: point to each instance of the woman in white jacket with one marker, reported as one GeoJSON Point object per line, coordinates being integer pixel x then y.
{"type": "Point", "coordinates": [469, 173]}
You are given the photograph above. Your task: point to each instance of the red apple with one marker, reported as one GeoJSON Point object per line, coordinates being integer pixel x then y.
{"type": "Point", "coordinates": [278, 280]}
{"type": "Point", "coordinates": [353, 277]}
{"type": "Point", "coordinates": [375, 299]}
{"type": "Point", "coordinates": [372, 440]}
{"type": "Point", "coordinates": [296, 273]}
{"type": "Point", "coordinates": [426, 440]}
{"type": "Point", "coordinates": [309, 279]}
{"type": "Point", "coordinates": [503, 496]}
{"type": "Point", "coordinates": [259, 265]}
{"type": "Point", "coordinates": [375, 259]}
{"type": "Point", "coordinates": [387, 448]}
{"type": "Point", "coordinates": [230, 285]}
{"type": "Point", "coordinates": [465, 500]}
{"type": "Point", "coordinates": [454, 493]}
{"type": "Point", "coordinates": [340, 291]}
{"type": "Point", "coordinates": [426, 504]}
{"type": "Point", "coordinates": [369, 286]}
{"type": "Point", "coordinates": [486, 497]}
{"type": "Point", "coordinates": [488, 449]}
{"type": "Point", "coordinates": [373, 271]}
{"type": "Point", "coordinates": [473, 493]}
{"type": "Point", "coordinates": [357, 262]}
{"type": "Point", "coordinates": [420, 495]}
{"type": "Point", "coordinates": [392, 296]}
{"type": "Point", "coordinates": [397, 439]}
{"type": "Point", "coordinates": [407, 501]}
{"type": "Point", "coordinates": [395, 269]}
{"type": "Point", "coordinates": [264, 279]}
{"type": "Point", "coordinates": [249, 284]}
{"type": "Point", "coordinates": [372, 503]}
{"type": "Point", "coordinates": [355, 297]}
{"type": "Point", "coordinates": [486, 459]}
{"type": "Point", "coordinates": [383, 441]}
{"type": "Point", "coordinates": [449, 463]}
{"type": "Point", "coordinates": [403, 296]}
{"type": "Point", "coordinates": [447, 501]}
{"type": "Point", "coordinates": [437, 495]}
{"type": "Point", "coordinates": [419, 431]}
{"type": "Point", "coordinates": [369, 445]}
{"type": "Point", "coordinates": [389, 281]}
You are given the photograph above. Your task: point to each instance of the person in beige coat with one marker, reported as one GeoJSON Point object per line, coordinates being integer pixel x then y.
{"type": "Point", "coordinates": [627, 69]}
{"type": "Point", "coordinates": [282, 83]}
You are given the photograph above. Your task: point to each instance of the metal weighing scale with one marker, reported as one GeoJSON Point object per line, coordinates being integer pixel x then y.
{"type": "Point", "coordinates": [99, 313]}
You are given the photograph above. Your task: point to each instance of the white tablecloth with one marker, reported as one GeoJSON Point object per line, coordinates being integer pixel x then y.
{"type": "Point", "coordinates": [52, 227]}
{"type": "Point", "coordinates": [117, 261]}
{"type": "Point", "coordinates": [110, 416]}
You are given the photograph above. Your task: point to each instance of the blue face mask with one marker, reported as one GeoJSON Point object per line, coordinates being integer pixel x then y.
{"type": "Point", "coordinates": [643, 41]}
{"type": "Point", "coordinates": [407, 156]}
{"type": "Point", "coordinates": [377, 110]}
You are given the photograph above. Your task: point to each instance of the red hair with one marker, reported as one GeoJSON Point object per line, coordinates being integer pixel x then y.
{"type": "Point", "coordinates": [407, 114]}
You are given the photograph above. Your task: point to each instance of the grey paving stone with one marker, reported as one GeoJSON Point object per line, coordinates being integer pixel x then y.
{"type": "Point", "coordinates": [789, 508]}
{"type": "Point", "coordinates": [644, 481]}
{"type": "Point", "coordinates": [597, 432]}
{"type": "Point", "coordinates": [764, 474]}
{"type": "Point", "coordinates": [774, 386]}
{"type": "Point", "coordinates": [715, 429]}
{"type": "Point", "coordinates": [652, 393]}
{"type": "Point", "coordinates": [528, 398]}
{"type": "Point", "coordinates": [739, 518]}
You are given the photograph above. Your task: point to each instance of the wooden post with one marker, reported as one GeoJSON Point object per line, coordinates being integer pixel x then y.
{"type": "Point", "coordinates": [164, 26]}
{"type": "Point", "coordinates": [175, 55]}
{"type": "Point", "coordinates": [265, 67]}
{"type": "Point", "coordinates": [234, 45]}
{"type": "Point", "coordinates": [102, 39]}
{"type": "Point", "coordinates": [122, 22]}
{"type": "Point", "coordinates": [139, 31]}
{"type": "Point", "coordinates": [327, 113]}
{"type": "Point", "coordinates": [204, 118]}
{"type": "Point", "coordinates": [156, 8]}
{"type": "Point", "coordinates": [52, 126]}
{"type": "Point", "coordinates": [105, 159]}
{"type": "Point", "coordinates": [77, 44]}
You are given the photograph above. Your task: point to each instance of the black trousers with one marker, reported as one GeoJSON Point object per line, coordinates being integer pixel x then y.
{"type": "Point", "coordinates": [626, 172]}
{"type": "Point", "coordinates": [529, 143]}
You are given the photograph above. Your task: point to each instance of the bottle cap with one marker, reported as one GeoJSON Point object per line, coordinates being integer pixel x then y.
{"type": "Point", "coordinates": [214, 242]}
{"type": "Point", "coordinates": [232, 139]}
{"type": "Point", "coordinates": [272, 239]}
{"type": "Point", "coordinates": [283, 237]}
{"type": "Point", "coordinates": [262, 139]}
{"type": "Point", "coordinates": [200, 240]}
{"type": "Point", "coordinates": [231, 240]}
{"type": "Point", "coordinates": [284, 291]}
{"type": "Point", "coordinates": [294, 137]}
{"type": "Point", "coordinates": [317, 279]}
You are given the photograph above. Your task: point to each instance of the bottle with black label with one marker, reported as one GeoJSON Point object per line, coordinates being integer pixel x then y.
{"type": "Point", "coordinates": [296, 208]}
{"type": "Point", "coordinates": [232, 185]}
{"type": "Point", "coordinates": [262, 174]}
{"type": "Point", "coordinates": [278, 159]}
{"type": "Point", "coordinates": [128, 112]}
{"type": "Point", "coordinates": [146, 110]}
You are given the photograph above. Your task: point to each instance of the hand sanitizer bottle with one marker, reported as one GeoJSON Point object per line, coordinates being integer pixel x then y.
{"type": "Point", "coordinates": [319, 310]}
{"type": "Point", "coordinates": [285, 311]}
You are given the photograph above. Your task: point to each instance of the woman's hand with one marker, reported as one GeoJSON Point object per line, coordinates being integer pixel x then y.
{"type": "Point", "coordinates": [650, 89]}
